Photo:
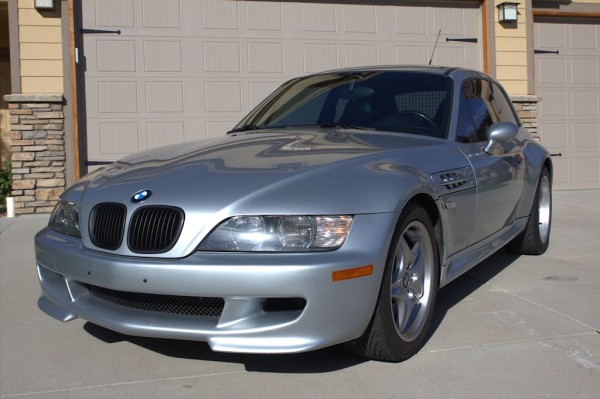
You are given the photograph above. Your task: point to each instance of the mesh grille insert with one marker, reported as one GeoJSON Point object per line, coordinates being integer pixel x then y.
{"type": "Point", "coordinates": [154, 229]}
{"type": "Point", "coordinates": [107, 222]}
{"type": "Point", "coordinates": [182, 305]}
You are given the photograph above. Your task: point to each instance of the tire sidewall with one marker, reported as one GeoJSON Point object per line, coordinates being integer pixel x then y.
{"type": "Point", "coordinates": [400, 348]}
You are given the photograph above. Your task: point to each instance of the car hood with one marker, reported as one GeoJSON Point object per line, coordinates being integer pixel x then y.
{"type": "Point", "coordinates": [311, 172]}
{"type": "Point", "coordinates": [306, 167]}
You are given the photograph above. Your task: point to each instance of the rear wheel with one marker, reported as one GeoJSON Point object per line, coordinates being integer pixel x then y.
{"type": "Point", "coordinates": [406, 300]}
{"type": "Point", "coordinates": [534, 240]}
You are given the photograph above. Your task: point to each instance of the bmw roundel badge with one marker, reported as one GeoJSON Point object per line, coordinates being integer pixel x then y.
{"type": "Point", "coordinates": [141, 195]}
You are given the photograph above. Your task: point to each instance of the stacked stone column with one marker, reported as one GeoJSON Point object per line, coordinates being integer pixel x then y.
{"type": "Point", "coordinates": [38, 151]}
{"type": "Point", "coordinates": [526, 107]}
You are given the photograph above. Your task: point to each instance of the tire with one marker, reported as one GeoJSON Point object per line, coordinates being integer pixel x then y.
{"type": "Point", "coordinates": [405, 304]}
{"type": "Point", "coordinates": [534, 240]}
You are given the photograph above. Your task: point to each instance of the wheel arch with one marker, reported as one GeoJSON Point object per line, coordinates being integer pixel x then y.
{"type": "Point", "coordinates": [426, 202]}
{"type": "Point", "coordinates": [548, 165]}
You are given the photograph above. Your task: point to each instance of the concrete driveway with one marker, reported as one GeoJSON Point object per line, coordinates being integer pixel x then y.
{"type": "Point", "coordinates": [513, 327]}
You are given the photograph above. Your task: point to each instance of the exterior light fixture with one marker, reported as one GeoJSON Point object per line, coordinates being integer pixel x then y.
{"type": "Point", "coordinates": [44, 5]}
{"type": "Point", "coordinates": [507, 12]}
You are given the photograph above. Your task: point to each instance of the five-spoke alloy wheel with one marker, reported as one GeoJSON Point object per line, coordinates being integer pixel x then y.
{"type": "Point", "coordinates": [406, 300]}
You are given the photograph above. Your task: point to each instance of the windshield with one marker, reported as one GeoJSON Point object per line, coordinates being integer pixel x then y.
{"type": "Point", "coordinates": [396, 101]}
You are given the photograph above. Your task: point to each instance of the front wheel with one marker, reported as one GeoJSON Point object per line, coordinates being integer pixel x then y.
{"type": "Point", "coordinates": [406, 299]}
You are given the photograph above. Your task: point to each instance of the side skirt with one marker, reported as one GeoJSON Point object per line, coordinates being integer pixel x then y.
{"type": "Point", "coordinates": [463, 261]}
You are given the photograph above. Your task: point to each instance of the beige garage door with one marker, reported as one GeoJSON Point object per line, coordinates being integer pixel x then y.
{"type": "Point", "coordinates": [185, 70]}
{"type": "Point", "coordinates": [569, 84]}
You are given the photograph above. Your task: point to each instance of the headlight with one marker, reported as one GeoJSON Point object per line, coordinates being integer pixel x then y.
{"type": "Point", "coordinates": [279, 233]}
{"type": "Point", "coordinates": [65, 219]}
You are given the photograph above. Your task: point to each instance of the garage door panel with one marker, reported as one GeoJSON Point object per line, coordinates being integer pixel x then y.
{"type": "Point", "coordinates": [584, 103]}
{"type": "Point", "coordinates": [161, 56]}
{"type": "Point", "coordinates": [583, 37]}
{"type": "Point", "coordinates": [554, 103]}
{"type": "Point", "coordinates": [122, 137]}
{"type": "Point", "coordinates": [164, 133]}
{"type": "Point", "coordinates": [412, 55]}
{"type": "Point", "coordinates": [164, 97]}
{"type": "Point", "coordinates": [569, 113]}
{"type": "Point", "coordinates": [318, 18]}
{"type": "Point", "coordinates": [115, 56]}
{"type": "Point", "coordinates": [119, 138]}
{"type": "Point", "coordinates": [262, 15]}
{"type": "Point", "coordinates": [113, 13]}
{"type": "Point", "coordinates": [190, 69]}
{"type": "Point", "coordinates": [561, 172]}
{"type": "Point", "coordinates": [319, 56]}
{"type": "Point", "coordinates": [265, 57]}
{"type": "Point", "coordinates": [218, 14]}
{"type": "Point", "coordinates": [223, 96]}
{"type": "Point", "coordinates": [117, 97]}
{"type": "Point", "coordinates": [360, 55]}
{"type": "Point", "coordinates": [585, 136]}
{"type": "Point", "coordinates": [453, 21]}
{"type": "Point", "coordinates": [161, 14]}
{"type": "Point", "coordinates": [217, 128]}
{"type": "Point", "coordinates": [360, 18]}
{"type": "Point", "coordinates": [552, 70]}
{"type": "Point", "coordinates": [411, 20]}
{"type": "Point", "coordinates": [586, 170]}
{"type": "Point", "coordinates": [451, 56]}
{"type": "Point", "coordinates": [555, 135]}
{"type": "Point", "coordinates": [221, 57]}
{"type": "Point", "coordinates": [584, 71]}
{"type": "Point", "coordinates": [548, 36]}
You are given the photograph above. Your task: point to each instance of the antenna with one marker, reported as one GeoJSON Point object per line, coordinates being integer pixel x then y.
{"type": "Point", "coordinates": [434, 46]}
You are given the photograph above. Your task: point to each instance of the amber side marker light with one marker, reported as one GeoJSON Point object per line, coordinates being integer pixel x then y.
{"type": "Point", "coordinates": [348, 274]}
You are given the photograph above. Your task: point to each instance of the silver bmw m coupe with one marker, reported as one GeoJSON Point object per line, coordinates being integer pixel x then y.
{"type": "Point", "coordinates": [331, 214]}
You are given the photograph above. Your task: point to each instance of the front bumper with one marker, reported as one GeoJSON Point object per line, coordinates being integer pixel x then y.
{"type": "Point", "coordinates": [335, 312]}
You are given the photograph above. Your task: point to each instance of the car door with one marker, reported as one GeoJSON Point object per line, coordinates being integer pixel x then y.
{"type": "Point", "coordinates": [499, 176]}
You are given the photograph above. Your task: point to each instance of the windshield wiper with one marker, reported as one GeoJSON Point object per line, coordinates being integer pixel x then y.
{"type": "Point", "coordinates": [344, 126]}
{"type": "Point", "coordinates": [245, 128]}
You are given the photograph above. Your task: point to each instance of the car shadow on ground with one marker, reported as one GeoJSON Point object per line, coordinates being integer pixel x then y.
{"type": "Point", "coordinates": [320, 361]}
{"type": "Point", "coordinates": [468, 283]}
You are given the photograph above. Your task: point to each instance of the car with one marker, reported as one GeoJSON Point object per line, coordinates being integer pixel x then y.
{"type": "Point", "coordinates": [331, 214]}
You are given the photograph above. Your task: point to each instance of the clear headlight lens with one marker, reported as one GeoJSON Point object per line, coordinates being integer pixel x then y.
{"type": "Point", "coordinates": [279, 233]}
{"type": "Point", "coordinates": [65, 219]}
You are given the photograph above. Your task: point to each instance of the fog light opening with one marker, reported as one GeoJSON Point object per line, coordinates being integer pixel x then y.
{"type": "Point", "coordinates": [283, 304]}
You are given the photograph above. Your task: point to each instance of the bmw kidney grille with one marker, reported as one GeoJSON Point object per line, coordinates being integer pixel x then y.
{"type": "Point", "coordinates": [152, 229]}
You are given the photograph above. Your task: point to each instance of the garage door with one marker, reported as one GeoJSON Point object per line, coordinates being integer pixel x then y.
{"type": "Point", "coordinates": [161, 72]}
{"type": "Point", "coordinates": [569, 113]}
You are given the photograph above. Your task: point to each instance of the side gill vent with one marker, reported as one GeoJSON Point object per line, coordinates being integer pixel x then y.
{"type": "Point", "coordinates": [452, 180]}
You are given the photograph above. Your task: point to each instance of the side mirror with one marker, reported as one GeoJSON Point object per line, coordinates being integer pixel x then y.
{"type": "Point", "coordinates": [498, 133]}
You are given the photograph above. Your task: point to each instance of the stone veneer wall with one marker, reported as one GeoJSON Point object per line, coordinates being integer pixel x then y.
{"type": "Point", "coordinates": [526, 107]}
{"type": "Point", "coordinates": [38, 151]}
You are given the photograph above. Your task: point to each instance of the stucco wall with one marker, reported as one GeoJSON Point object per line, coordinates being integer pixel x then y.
{"type": "Point", "coordinates": [40, 49]}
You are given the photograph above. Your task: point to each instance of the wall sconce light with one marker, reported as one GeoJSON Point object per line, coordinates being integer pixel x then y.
{"type": "Point", "coordinates": [44, 5]}
{"type": "Point", "coordinates": [507, 12]}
